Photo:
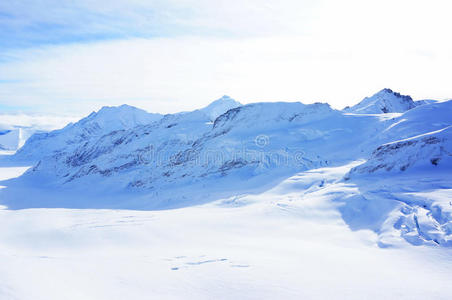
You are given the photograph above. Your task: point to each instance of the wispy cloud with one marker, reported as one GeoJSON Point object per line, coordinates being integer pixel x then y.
{"type": "Point", "coordinates": [30, 22]}
{"type": "Point", "coordinates": [176, 55]}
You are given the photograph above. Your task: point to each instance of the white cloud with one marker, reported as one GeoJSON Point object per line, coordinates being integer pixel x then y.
{"type": "Point", "coordinates": [144, 18]}
{"type": "Point", "coordinates": [35, 121]}
{"type": "Point", "coordinates": [341, 53]}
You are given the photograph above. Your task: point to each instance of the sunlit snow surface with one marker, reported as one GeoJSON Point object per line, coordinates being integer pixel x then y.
{"type": "Point", "coordinates": [280, 244]}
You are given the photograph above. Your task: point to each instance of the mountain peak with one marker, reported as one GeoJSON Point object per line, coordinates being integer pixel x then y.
{"type": "Point", "coordinates": [391, 92]}
{"type": "Point", "coordinates": [384, 101]}
{"type": "Point", "coordinates": [386, 90]}
{"type": "Point", "coordinates": [118, 109]}
{"type": "Point", "coordinates": [118, 117]}
{"type": "Point", "coordinates": [224, 97]}
{"type": "Point", "coordinates": [220, 106]}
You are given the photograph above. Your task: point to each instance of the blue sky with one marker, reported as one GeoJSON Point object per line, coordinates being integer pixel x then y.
{"type": "Point", "coordinates": [165, 56]}
{"type": "Point", "coordinates": [36, 23]}
{"type": "Point", "coordinates": [27, 23]}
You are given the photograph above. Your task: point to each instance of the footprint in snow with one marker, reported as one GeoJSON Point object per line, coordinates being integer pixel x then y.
{"type": "Point", "coordinates": [189, 264]}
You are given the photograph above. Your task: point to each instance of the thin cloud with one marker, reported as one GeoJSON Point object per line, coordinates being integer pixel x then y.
{"type": "Point", "coordinates": [31, 23]}
{"type": "Point", "coordinates": [331, 51]}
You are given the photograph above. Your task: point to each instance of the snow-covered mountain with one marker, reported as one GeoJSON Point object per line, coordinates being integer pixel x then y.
{"type": "Point", "coordinates": [254, 140]}
{"type": "Point", "coordinates": [127, 148]}
{"type": "Point", "coordinates": [385, 101]}
{"type": "Point", "coordinates": [106, 120]}
{"type": "Point", "coordinates": [131, 159]}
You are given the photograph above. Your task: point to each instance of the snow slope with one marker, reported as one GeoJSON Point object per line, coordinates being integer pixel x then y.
{"type": "Point", "coordinates": [289, 242]}
{"type": "Point", "coordinates": [425, 101]}
{"type": "Point", "coordinates": [432, 150]}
